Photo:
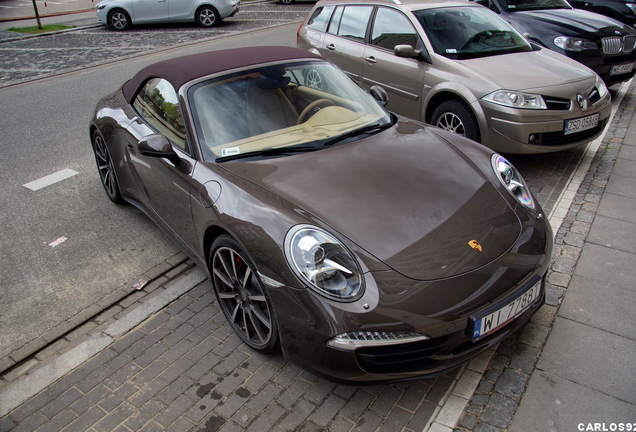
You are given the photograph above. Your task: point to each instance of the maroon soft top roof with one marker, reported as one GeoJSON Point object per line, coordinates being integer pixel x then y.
{"type": "Point", "coordinates": [180, 70]}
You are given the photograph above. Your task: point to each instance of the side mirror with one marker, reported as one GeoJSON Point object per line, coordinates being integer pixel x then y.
{"type": "Point", "coordinates": [407, 51]}
{"type": "Point", "coordinates": [157, 145]}
{"type": "Point", "coordinates": [379, 94]}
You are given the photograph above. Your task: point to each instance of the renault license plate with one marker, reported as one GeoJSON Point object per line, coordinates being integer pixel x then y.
{"type": "Point", "coordinates": [581, 124]}
{"type": "Point", "coordinates": [490, 323]}
{"type": "Point", "coordinates": [621, 69]}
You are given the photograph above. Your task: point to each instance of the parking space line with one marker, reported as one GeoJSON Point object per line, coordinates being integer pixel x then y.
{"type": "Point", "coordinates": [50, 179]}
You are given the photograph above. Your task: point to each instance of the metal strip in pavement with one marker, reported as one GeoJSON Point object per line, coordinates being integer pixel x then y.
{"type": "Point", "coordinates": [445, 418]}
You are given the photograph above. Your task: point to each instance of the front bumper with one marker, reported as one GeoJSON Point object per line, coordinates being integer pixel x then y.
{"type": "Point", "coordinates": [539, 131]}
{"type": "Point", "coordinates": [441, 310]}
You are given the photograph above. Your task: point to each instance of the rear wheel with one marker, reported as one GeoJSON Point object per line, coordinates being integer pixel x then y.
{"type": "Point", "coordinates": [207, 16]}
{"type": "Point", "coordinates": [241, 296]}
{"type": "Point", "coordinates": [456, 117]}
{"type": "Point", "coordinates": [119, 19]}
{"type": "Point", "coordinates": [106, 168]}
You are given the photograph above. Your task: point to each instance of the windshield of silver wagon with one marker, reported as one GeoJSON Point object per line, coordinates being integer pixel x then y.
{"type": "Point", "coordinates": [289, 105]}
{"type": "Point", "coordinates": [468, 32]}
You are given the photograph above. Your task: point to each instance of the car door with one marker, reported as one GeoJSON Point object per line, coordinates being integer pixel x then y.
{"type": "Point", "coordinates": [182, 9]}
{"type": "Point", "coordinates": [402, 78]}
{"type": "Point", "coordinates": [166, 185]}
{"type": "Point", "coordinates": [150, 11]}
{"type": "Point", "coordinates": [344, 40]}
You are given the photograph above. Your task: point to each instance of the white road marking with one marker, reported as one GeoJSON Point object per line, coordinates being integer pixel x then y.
{"type": "Point", "coordinates": [50, 179]}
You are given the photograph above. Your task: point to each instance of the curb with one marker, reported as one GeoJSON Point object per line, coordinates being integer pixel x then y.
{"type": "Point", "coordinates": [29, 384]}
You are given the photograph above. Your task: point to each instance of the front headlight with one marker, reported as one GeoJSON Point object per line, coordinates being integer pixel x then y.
{"type": "Point", "coordinates": [601, 87]}
{"type": "Point", "coordinates": [323, 263]}
{"type": "Point", "coordinates": [568, 43]}
{"type": "Point", "coordinates": [512, 180]}
{"type": "Point", "coordinates": [515, 99]}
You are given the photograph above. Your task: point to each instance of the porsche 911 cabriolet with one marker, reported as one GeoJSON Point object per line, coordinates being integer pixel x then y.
{"type": "Point", "coordinates": [364, 246]}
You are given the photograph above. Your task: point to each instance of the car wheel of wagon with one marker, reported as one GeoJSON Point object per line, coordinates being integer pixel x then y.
{"type": "Point", "coordinates": [241, 295]}
{"type": "Point", "coordinates": [106, 168]}
{"type": "Point", "coordinates": [313, 79]}
{"type": "Point", "coordinates": [456, 117]}
{"type": "Point", "coordinates": [207, 16]}
{"type": "Point", "coordinates": [286, 1]}
{"type": "Point", "coordinates": [119, 19]}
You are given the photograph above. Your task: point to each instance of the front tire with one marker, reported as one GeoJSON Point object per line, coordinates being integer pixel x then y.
{"type": "Point", "coordinates": [241, 296]}
{"type": "Point", "coordinates": [456, 117]}
{"type": "Point", "coordinates": [106, 168]}
{"type": "Point", "coordinates": [207, 16]}
{"type": "Point", "coordinates": [119, 19]}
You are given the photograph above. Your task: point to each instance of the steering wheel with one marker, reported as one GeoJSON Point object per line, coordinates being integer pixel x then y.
{"type": "Point", "coordinates": [312, 109]}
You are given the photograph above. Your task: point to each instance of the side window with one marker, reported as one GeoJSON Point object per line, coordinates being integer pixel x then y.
{"type": "Point", "coordinates": [158, 104]}
{"type": "Point", "coordinates": [335, 22]}
{"type": "Point", "coordinates": [392, 28]}
{"type": "Point", "coordinates": [352, 24]}
{"type": "Point", "coordinates": [320, 18]}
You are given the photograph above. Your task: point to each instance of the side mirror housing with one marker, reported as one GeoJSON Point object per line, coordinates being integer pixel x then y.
{"type": "Point", "coordinates": [379, 94]}
{"type": "Point", "coordinates": [407, 51]}
{"type": "Point", "coordinates": [157, 145]}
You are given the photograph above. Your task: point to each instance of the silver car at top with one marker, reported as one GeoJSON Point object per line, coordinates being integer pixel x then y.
{"type": "Point", "coordinates": [457, 65]}
{"type": "Point", "coordinates": [121, 14]}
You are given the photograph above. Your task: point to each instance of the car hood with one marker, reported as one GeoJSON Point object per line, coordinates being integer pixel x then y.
{"type": "Point", "coordinates": [576, 22]}
{"type": "Point", "coordinates": [405, 195]}
{"type": "Point", "coordinates": [541, 69]}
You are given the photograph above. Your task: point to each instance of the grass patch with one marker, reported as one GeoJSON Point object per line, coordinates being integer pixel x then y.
{"type": "Point", "coordinates": [36, 30]}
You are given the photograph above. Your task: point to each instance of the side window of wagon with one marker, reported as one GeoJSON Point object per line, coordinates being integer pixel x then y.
{"type": "Point", "coordinates": [392, 28]}
{"type": "Point", "coordinates": [158, 104]}
{"type": "Point", "coordinates": [351, 22]}
{"type": "Point", "coordinates": [320, 18]}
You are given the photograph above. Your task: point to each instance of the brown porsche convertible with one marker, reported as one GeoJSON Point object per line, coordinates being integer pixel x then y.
{"type": "Point", "coordinates": [365, 246]}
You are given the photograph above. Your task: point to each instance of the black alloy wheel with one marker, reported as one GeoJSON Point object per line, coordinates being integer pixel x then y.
{"type": "Point", "coordinates": [456, 117]}
{"type": "Point", "coordinates": [207, 16]}
{"type": "Point", "coordinates": [119, 19]}
{"type": "Point", "coordinates": [241, 296]}
{"type": "Point", "coordinates": [106, 169]}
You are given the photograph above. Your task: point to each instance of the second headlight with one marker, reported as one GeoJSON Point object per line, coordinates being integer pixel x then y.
{"type": "Point", "coordinates": [323, 263]}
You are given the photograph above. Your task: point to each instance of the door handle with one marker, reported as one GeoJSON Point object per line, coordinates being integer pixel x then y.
{"type": "Point", "coordinates": [371, 59]}
{"type": "Point", "coordinates": [331, 47]}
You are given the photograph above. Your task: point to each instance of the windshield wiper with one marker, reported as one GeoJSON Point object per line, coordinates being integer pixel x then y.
{"type": "Point", "coordinates": [266, 152]}
{"type": "Point", "coordinates": [365, 129]}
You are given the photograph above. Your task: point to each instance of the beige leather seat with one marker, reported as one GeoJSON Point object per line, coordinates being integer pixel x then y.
{"type": "Point", "coordinates": [268, 108]}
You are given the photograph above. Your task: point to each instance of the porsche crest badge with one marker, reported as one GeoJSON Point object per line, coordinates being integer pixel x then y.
{"type": "Point", "coordinates": [475, 245]}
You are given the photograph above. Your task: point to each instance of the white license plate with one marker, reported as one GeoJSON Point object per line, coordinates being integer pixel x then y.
{"type": "Point", "coordinates": [621, 69]}
{"type": "Point", "coordinates": [494, 321]}
{"type": "Point", "coordinates": [580, 124]}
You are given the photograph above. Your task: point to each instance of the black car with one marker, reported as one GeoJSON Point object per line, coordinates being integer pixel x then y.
{"type": "Point", "coordinates": [621, 10]}
{"type": "Point", "coordinates": [603, 44]}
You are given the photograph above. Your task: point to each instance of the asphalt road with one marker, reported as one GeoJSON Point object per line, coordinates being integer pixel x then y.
{"type": "Point", "coordinates": [65, 248]}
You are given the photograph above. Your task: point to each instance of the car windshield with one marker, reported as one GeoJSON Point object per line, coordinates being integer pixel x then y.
{"type": "Point", "coordinates": [280, 109]}
{"type": "Point", "coordinates": [524, 5]}
{"type": "Point", "coordinates": [468, 32]}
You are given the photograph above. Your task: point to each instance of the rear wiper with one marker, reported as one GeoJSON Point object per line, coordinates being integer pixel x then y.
{"type": "Point", "coordinates": [269, 151]}
{"type": "Point", "coordinates": [359, 131]}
